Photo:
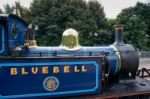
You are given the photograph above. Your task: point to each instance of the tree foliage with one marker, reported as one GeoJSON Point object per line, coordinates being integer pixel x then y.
{"type": "Point", "coordinates": [58, 15]}
{"type": "Point", "coordinates": [137, 25]}
{"type": "Point", "coordinates": [111, 23]}
{"type": "Point", "coordinates": [11, 9]}
{"type": "Point", "coordinates": [88, 18]}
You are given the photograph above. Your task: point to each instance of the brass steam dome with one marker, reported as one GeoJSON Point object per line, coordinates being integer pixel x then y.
{"type": "Point", "coordinates": [70, 40]}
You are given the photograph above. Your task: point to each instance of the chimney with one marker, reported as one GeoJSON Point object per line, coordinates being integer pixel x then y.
{"type": "Point", "coordinates": [17, 11]}
{"type": "Point", "coordinates": [119, 35]}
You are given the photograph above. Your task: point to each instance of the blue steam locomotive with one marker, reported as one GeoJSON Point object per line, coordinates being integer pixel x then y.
{"type": "Point", "coordinates": [28, 70]}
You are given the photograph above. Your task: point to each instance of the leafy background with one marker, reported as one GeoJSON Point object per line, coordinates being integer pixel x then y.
{"type": "Point", "coordinates": [88, 18]}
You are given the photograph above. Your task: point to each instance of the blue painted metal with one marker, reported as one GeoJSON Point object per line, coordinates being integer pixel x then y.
{"type": "Point", "coordinates": [83, 51]}
{"type": "Point", "coordinates": [21, 27]}
{"type": "Point", "coordinates": [31, 85]}
{"type": "Point", "coordinates": [2, 40]}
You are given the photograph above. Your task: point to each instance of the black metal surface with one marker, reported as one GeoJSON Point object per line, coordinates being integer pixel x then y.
{"type": "Point", "coordinates": [119, 34]}
{"type": "Point", "coordinates": [129, 55]}
{"type": "Point", "coordinates": [132, 87]}
{"type": "Point", "coordinates": [129, 61]}
{"type": "Point", "coordinates": [127, 87]}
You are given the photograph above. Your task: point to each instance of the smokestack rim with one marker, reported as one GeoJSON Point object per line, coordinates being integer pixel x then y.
{"type": "Point", "coordinates": [119, 26]}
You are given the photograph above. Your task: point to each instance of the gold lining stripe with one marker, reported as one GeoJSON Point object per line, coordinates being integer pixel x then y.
{"type": "Point", "coordinates": [119, 57]}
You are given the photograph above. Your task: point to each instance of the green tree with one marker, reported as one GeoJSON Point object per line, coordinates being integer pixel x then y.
{"type": "Point", "coordinates": [111, 30]}
{"type": "Point", "coordinates": [55, 16]}
{"type": "Point", "coordinates": [137, 25]}
{"type": "Point", "coordinates": [135, 33]}
{"type": "Point", "coordinates": [23, 10]}
{"type": "Point", "coordinates": [8, 9]}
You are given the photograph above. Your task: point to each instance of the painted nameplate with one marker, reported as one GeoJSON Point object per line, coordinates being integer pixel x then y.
{"type": "Point", "coordinates": [49, 77]}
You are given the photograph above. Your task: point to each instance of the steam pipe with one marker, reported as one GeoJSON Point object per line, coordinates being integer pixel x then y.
{"type": "Point", "coordinates": [119, 35]}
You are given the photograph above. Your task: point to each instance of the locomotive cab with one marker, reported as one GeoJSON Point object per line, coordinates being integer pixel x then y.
{"type": "Point", "coordinates": [3, 36]}
{"type": "Point", "coordinates": [12, 33]}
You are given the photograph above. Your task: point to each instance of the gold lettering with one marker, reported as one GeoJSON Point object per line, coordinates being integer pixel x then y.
{"type": "Point", "coordinates": [55, 70]}
{"type": "Point", "coordinates": [24, 72]}
{"type": "Point", "coordinates": [76, 69]}
{"type": "Point", "coordinates": [34, 70]}
{"type": "Point", "coordinates": [84, 68]}
{"type": "Point", "coordinates": [44, 70]}
{"type": "Point", "coordinates": [13, 71]}
{"type": "Point", "coordinates": [66, 69]}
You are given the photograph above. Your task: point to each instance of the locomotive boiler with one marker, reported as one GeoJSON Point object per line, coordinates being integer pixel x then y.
{"type": "Point", "coordinates": [28, 70]}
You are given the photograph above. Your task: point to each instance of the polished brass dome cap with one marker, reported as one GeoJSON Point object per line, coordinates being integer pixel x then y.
{"type": "Point", "coordinates": [70, 40]}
